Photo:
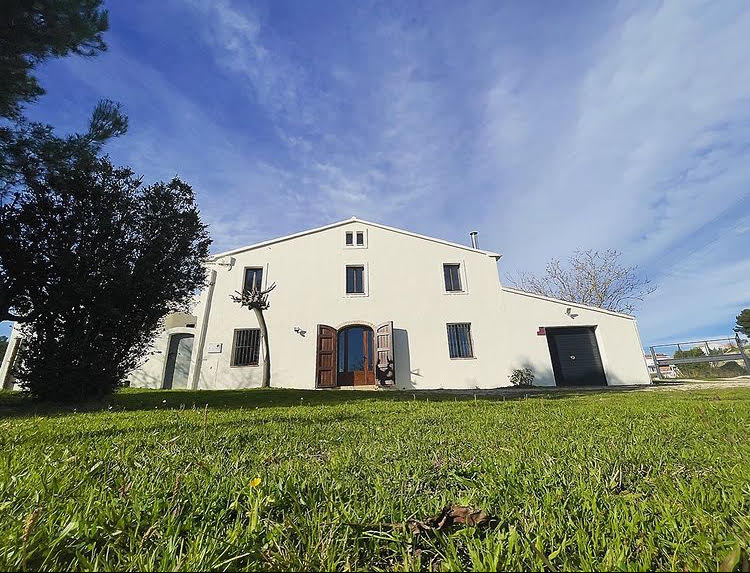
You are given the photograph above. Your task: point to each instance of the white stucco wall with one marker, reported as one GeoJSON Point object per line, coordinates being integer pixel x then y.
{"type": "Point", "coordinates": [404, 284]}
{"type": "Point", "coordinates": [616, 335]}
{"type": "Point", "coordinates": [150, 374]}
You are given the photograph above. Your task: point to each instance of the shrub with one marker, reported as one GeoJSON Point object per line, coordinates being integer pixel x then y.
{"type": "Point", "coordinates": [113, 257]}
{"type": "Point", "coordinates": [522, 377]}
{"type": "Point", "coordinates": [730, 370]}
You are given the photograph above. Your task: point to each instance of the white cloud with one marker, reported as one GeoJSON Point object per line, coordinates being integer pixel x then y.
{"type": "Point", "coordinates": [624, 126]}
{"type": "Point", "coordinates": [655, 151]}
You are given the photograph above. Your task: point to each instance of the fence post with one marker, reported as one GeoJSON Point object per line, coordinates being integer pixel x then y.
{"type": "Point", "coordinates": [656, 363]}
{"type": "Point", "coordinates": [742, 351]}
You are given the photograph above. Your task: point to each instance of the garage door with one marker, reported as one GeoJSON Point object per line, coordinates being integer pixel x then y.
{"type": "Point", "coordinates": [575, 356]}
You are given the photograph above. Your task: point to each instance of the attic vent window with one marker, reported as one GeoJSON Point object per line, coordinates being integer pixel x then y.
{"type": "Point", "coordinates": [355, 239]}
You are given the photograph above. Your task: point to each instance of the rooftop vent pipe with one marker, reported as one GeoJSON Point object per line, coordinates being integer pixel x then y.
{"type": "Point", "coordinates": [474, 242]}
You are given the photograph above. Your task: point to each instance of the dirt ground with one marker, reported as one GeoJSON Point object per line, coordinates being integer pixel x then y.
{"type": "Point", "coordinates": [681, 384]}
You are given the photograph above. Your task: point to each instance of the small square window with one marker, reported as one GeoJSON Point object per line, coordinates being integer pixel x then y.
{"type": "Point", "coordinates": [355, 239]}
{"type": "Point", "coordinates": [355, 280]}
{"type": "Point", "coordinates": [452, 274]}
{"type": "Point", "coordinates": [459, 340]}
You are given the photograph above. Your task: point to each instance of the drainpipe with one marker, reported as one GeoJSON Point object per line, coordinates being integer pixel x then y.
{"type": "Point", "coordinates": [202, 334]}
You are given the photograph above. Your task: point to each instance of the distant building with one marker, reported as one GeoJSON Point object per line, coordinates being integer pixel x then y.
{"type": "Point", "coordinates": [667, 371]}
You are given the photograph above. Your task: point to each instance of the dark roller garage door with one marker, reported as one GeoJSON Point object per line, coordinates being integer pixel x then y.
{"type": "Point", "coordinates": [575, 356]}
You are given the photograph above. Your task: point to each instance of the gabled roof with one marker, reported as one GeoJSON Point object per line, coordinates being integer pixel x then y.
{"type": "Point", "coordinates": [345, 222]}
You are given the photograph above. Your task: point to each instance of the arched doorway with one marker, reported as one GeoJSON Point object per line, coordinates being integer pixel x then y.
{"type": "Point", "coordinates": [178, 361]}
{"type": "Point", "coordinates": [356, 356]}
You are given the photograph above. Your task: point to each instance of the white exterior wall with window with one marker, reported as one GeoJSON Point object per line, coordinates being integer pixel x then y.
{"type": "Point", "coordinates": [404, 281]}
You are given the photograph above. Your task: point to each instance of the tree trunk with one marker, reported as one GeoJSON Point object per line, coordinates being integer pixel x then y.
{"type": "Point", "coordinates": [266, 350]}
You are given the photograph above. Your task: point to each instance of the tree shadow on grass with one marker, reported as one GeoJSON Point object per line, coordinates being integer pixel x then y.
{"type": "Point", "coordinates": [179, 427]}
{"type": "Point", "coordinates": [17, 404]}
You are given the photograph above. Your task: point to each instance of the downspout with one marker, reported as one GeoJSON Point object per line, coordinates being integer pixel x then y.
{"type": "Point", "coordinates": [202, 334]}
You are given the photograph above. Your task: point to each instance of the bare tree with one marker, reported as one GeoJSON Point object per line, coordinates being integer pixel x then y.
{"type": "Point", "coordinates": [257, 300]}
{"type": "Point", "coordinates": [590, 277]}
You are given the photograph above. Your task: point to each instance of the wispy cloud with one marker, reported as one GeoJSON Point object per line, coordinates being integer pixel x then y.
{"type": "Point", "coordinates": [624, 126]}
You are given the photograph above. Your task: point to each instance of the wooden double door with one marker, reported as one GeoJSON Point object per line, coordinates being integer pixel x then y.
{"type": "Point", "coordinates": [356, 358]}
{"type": "Point", "coordinates": [354, 355]}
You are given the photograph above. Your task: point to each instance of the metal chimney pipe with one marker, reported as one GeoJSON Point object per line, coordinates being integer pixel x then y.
{"type": "Point", "coordinates": [474, 242]}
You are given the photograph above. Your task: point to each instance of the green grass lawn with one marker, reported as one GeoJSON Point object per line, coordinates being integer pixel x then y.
{"type": "Point", "coordinates": [626, 481]}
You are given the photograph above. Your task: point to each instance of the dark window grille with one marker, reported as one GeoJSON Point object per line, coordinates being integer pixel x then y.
{"type": "Point", "coordinates": [459, 340]}
{"type": "Point", "coordinates": [360, 238]}
{"type": "Point", "coordinates": [349, 238]}
{"type": "Point", "coordinates": [246, 347]}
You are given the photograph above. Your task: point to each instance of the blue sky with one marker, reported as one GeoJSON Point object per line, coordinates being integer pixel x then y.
{"type": "Point", "coordinates": [546, 126]}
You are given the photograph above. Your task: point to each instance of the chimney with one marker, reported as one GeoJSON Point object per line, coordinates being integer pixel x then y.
{"type": "Point", "coordinates": [474, 242]}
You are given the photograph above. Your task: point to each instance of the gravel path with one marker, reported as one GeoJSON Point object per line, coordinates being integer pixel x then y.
{"type": "Point", "coordinates": [688, 384]}
{"type": "Point", "coordinates": [682, 384]}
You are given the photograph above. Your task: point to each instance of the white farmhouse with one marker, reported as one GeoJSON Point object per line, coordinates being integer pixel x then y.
{"type": "Point", "coordinates": [360, 304]}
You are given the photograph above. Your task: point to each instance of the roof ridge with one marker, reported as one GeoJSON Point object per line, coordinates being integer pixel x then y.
{"type": "Point", "coordinates": [344, 222]}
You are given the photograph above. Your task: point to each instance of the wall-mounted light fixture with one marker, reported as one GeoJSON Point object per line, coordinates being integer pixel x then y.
{"type": "Point", "coordinates": [570, 313]}
{"type": "Point", "coordinates": [299, 331]}
{"type": "Point", "coordinates": [223, 262]}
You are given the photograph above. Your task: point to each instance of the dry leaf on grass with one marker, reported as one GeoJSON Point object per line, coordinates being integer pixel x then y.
{"type": "Point", "coordinates": [449, 516]}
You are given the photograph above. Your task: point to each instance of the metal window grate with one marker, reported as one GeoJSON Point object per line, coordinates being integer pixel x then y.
{"type": "Point", "coordinates": [246, 347]}
{"type": "Point", "coordinates": [459, 340]}
{"type": "Point", "coordinates": [452, 277]}
{"type": "Point", "coordinates": [349, 238]}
